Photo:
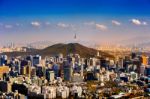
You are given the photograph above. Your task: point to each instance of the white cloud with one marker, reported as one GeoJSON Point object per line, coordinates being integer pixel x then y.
{"type": "Point", "coordinates": [144, 23]}
{"type": "Point", "coordinates": [138, 22]}
{"type": "Point", "coordinates": [116, 22]}
{"type": "Point", "coordinates": [35, 23]}
{"type": "Point", "coordinates": [101, 27]}
{"type": "Point", "coordinates": [63, 25]}
{"type": "Point", "coordinates": [98, 26]}
{"type": "Point", "coordinates": [8, 26]}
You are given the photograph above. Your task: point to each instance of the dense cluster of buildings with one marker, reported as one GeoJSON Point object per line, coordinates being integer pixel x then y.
{"type": "Point", "coordinates": [72, 76]}
{"type": "Point", "coordinates": [12, 49]}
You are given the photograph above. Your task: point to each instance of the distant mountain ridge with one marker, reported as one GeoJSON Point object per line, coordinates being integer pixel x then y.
{"type": "Point", "coordinates": [65, 49]}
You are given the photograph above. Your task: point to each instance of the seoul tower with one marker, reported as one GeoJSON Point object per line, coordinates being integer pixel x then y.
{"type": "Point", "coordinates": [75, 38]}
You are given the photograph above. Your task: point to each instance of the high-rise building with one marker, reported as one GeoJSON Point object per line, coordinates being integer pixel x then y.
{"type": "Point", "coordinates": [5, 86]}
{"type": "Point", "coordinates": [142, 69]}
{"type": "Point", "coordinates": [44, 70]}
{"type": "Point", "coordinates": [24, 63]}
{"type": "Point", "coordinates": [30, 58]}
{"type": "Point", "coordinates": [60, 58]}
{"type": "Point", "coordinates": [133, 55]}
{"type": "Point", "coordinates": [18, 66]}
{"type": "Point", "coordinates": [23, 70]}
{"type": "Point", "coordinates": [36, 60]}
{"type": "Point", "coordinates": [50, 75]}
{"type": "Point", "coordinates": [147, 71]}
{"type": "Point", "coordinates": [39, 71]}
{"type": "Point", "coordinates": [28, 71]}
{"type": "Point", "coordinates": [56, 69]}
{"type": "Point", "coordinates": [82, 67]}
{"type": "Point", "coordinates": [3, 69]}
{"type": "Point", "coordinates": [104, 63]}
{"type": "Point", "coordinates": [33, 71]}
{"type": "Point", "coordinates": [67, 71]}
{"type": "Point", "coordinates": [3, 60]}
{"type": "Point", "coordinates": [145, 60]}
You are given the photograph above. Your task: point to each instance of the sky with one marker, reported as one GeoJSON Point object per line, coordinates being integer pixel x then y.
{"type": "Point", "coordinates": [96, 21]}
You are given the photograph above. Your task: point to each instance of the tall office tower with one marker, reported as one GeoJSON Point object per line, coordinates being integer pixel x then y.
{"type": "Point", "coordinates": [133, 55]}
{"type": "Point", "coordinates": [149, 61]}
{"type": "Point", "coordinates": [147, 71]}
{"type": "Point", "coordinates": [39, 71]}
{"type": "Point", "coordinates": [56, 70]}
{"type": "Point", "coordinates": [28, 71]}
{"type": "Point", "coordinates": [12, 45]}
{"type": "Point", "coordinates": [60, 58]}
{"type": "Point", "coordinates": [30, 58]}
{"type": "Point", "coordinates": [77, 58]}
{"type": "Point", "coordinates": [98, 54]}
{"type": "Point", "coordinates": [3, 70]}
{"type": "Point", "coordinates": [24, 63]}
{"type": "Point", "coordinates": [97, 67]}
{"type": "Point", "coordinates": [82, 67]}
{"type": "Point", "coordinates": [104, 63]}
{"type": "Point", "coordinates": [33, 71]}
{"type": "Point", "coordinates": [55, 59]}
{"type": "Point", "coordinates": [23, 70]}
{"type": "Point", "coordinates": [3, 60]}
{"type": "Point", "coordinates": [18, 66]}
{"type": "Point", "coordinates": [67, 71]}
{"type": "Point", "coordinates": [142, 70]}
{"type": "Point", "coordinates": [69, 58]}
{"type": "Point", "coordinates": [120, 63]}
{"type": "Point", "coordinates": [138, 64]}
{"type": "Point", "coordinates": [44, 70]}
{"type": "Point", "coordinates": [50, 76]}
{"type": "Point", "coordinates": [86, 61]}
{"type": "Point", "coordinates": [73, 62]}
{"type": "Point", "coordinates": [127, 65]}
{"type": "Point", "coordinates": [95, 61]}
{"type": "Point", "coordinates": [145, 60]}
{"type": "Point", "coordinates": [36, 60]}
{"type": "Point", "coordinates": [12, 62]}
{"type": "Point", "coordinates": [91, 62]}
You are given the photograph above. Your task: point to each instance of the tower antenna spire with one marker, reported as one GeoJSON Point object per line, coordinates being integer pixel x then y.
{"type": "Point", "coordinates": [75, 36]}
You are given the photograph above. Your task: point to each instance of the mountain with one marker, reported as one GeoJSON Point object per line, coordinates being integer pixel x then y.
{"type": "Point", "coordinates": [65, 49]}
{"type": "Point", "coordinates": [70, 48]}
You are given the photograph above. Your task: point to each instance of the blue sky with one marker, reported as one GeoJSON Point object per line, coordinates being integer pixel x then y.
{"type": "Point", "coordinates": [58, 20]}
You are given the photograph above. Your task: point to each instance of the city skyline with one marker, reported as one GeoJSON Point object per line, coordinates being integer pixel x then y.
{"type": "Point", "coordinates": [74, 49]}
{"type": "Point", "coordinates": [97, 21]}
